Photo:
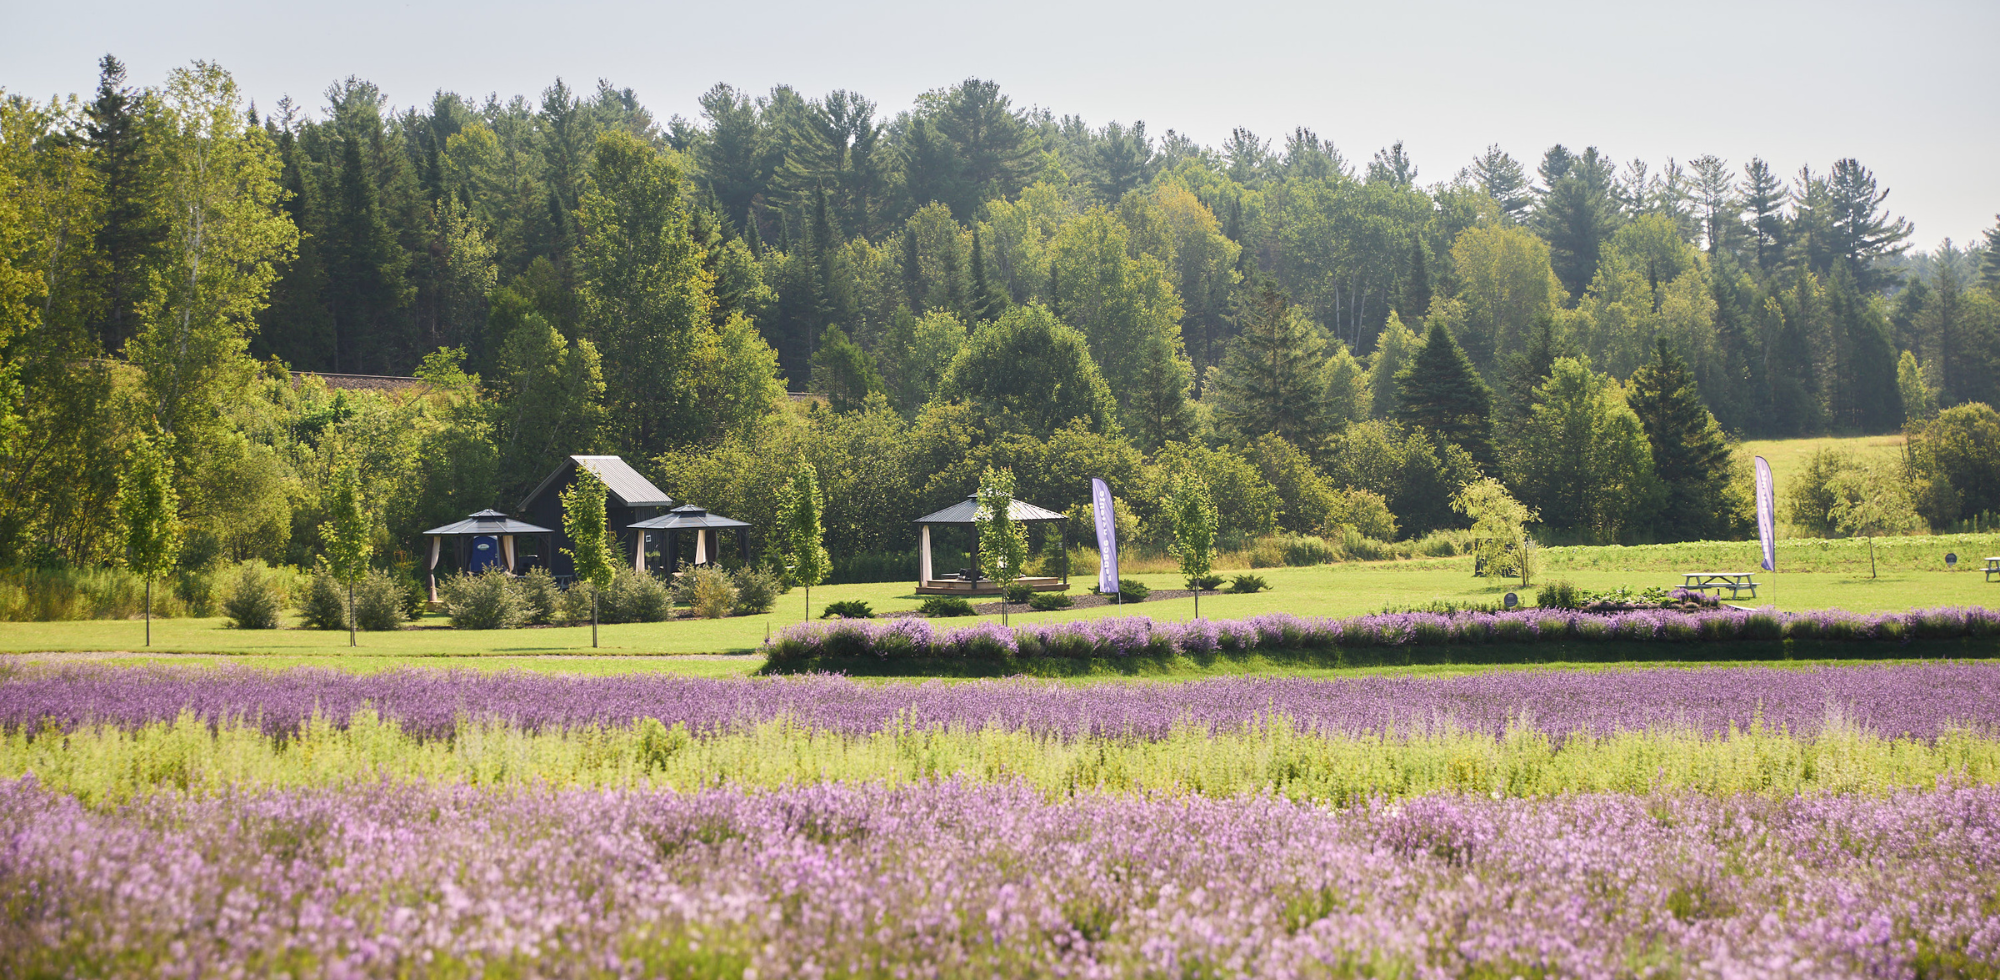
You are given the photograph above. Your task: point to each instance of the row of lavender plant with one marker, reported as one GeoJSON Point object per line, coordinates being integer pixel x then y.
{"type": "Point", "coordinates": [809, 643]}
{"type": "Point", "coordinates": [946, 879]}
{"type": "Point", "coordinates": [1918, 700]}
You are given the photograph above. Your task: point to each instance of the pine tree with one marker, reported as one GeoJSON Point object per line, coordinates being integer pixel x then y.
{"type": "Point", "coordinates": [987, 300]}
{"type": "Point", "coordinates": [1416, 298]}
{"type": "Point", "coordinates": [1865, 396]}
{"type": "Point", "coordinates": [1576, 213]}
{"type": "Point", "coordinates": [1764, 201]}
{"type": "Point", "coordinates": [844, 373]}
{"type": "Point", "coordinates": [1501, 177]}
{"type": "Point", "coordinates": [1270, 378]}
{"type": "Point", "coordinates": [1527, 369]}
{"type": "Point", "coordinates": [364, 269]}
{"type": "Point", "coordinates": [1442, 393]}
{"type": "Point", "coordinates": [913, 272]}
{"type": "Point", "coordinates": [130, 234]}
{"type": "Point", "coordinates": [1690, 452]}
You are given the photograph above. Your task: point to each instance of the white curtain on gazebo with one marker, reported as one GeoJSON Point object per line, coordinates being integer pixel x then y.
{"type": "Point", "coordinates": [507, 549]}
{"type": "Point", "coordinates": [924, 554]}
{"type": "Point", "coordinates": [700, 547]}
{"type": "Point", "coordinates": [639, 554]}
{"type": "Point", "coordinates": [437, 543]}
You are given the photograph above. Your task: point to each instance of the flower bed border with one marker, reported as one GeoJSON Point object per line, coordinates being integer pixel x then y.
{"type": "Point", "coordinates": [907, 646]}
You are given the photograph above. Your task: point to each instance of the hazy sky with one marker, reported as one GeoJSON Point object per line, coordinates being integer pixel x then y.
{"type": "Point", "coordinates": [1907, 88]}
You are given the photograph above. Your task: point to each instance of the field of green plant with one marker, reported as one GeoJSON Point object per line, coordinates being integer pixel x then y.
{"type": "Point", "coordinates": [1812, 575]}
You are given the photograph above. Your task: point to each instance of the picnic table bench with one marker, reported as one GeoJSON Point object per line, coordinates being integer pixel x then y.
{"type": "Point", "coordinates": [1992, 568]}
{"type": "Point", "coordinates": [1736, 582]}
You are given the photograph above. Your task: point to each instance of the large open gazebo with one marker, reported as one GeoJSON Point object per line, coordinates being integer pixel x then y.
{"type": "Point", "coordinates": [688, 517]}
{"type": "Point", "coordinates": [484, 540]}
{"type": "Point", "coordinates": [967, 581]}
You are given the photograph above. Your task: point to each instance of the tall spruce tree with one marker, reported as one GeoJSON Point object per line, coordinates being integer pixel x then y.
{"type": "Point", "coordinates": [364, 270]}
{"type": "Point", "coordinates": [1690, 452]}
{"type": "Point", "coordinates": [988, 302]}
{"type": "Point", "coordinates": [1764, 203]}
{"type": "Point", "coordinates": [1271, 380]}
{"type": "Point", "coordinates": [130, 234]}
{"type": "Point", "coordinates": [1441, 392]}
{"type": "Point", "coordinates": [1576, 213]}
{"type": "Point", "coordinates": [1416, 291]}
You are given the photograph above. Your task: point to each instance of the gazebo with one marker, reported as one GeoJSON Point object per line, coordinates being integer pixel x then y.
{"type": "Point", "coordinates": [966, 581]}
{"type": "Point", "coordinates": [483, 540]}
{"type": "Point", "coordinates": [688, 517]}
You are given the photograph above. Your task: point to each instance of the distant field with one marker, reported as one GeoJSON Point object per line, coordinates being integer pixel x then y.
{"type": "Point", "coordinates": [1788, 456]}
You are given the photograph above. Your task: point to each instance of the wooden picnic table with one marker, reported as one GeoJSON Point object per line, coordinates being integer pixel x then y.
{"type": "Point", "coordinates": [1992, 567]}
{"type": "Point", "coordinates": [1735, 582]}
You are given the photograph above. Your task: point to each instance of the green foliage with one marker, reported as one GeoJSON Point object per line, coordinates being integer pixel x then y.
{"type": "Point", "coordinates": [1954, 464]}
{"type": "Point", "coordinates": [756, 590]}
{"type": "Point", "coordinates": [1247, 584]}
{"type": "Point", "coordinates": [255, 599]}
{"type": "Point", "coordinates": [1273, 378]}
{"type": "Point", "coordinates": [707, 591]}
{"type": "Point", "coordinates": [1500, 522]}
{"type": "Point", "coordinates": [1560, 594]}
{"type": "Point", "coordinates": [847, 609]}
{"type": "Point", "coordinates": [637, 597]}
{"type": "Point", "coordinates": [378, 602]}
{"type": "Point", "coordinates": [347, 529]}
{"type": "Point", "coordinates": [149, 510]}
{"type": "Point", "coordinates": [1049, 601]}
{"type": "Point", "coordinates": [799, 510]}
{"type": "Point", "coordinates": [584, 524]}
{"type": "Point", "coordinates": [1194, 526]}
{"type": "Point", "coordinates": [486, 601]}
{"type": "Point", "coordinates": [1440, 393]}
{"type": "Point", "coordinates": [1003, 542]}
{"type": "Point", "coordinates": [1206, 583]}
{"type": "Point", "coordinates": [1027, 372]}
{"type": "Point", "coordinates": [323, 603]}
{"type": "Point", "coordinates": [1583, 461]}
{"type": "Point", "coordinates": [1691, 456]}
{"type": "Point", "coordinates": [1133, 590]}
{"type": "Point", "coordinates": [844, 373]}
{"type": "Point", "coordinates": [541, 598]}
{"type": "Point", "coordinates": [945, 606]}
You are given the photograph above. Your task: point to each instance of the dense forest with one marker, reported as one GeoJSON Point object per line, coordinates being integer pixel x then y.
{"type": "Point", "coordinates": [1335, 344]}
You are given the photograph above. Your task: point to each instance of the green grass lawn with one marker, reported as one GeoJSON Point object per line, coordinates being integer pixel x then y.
{"type": "Point", "coordinates": [1788, 456]}
{"type": "Point", "coordinates": [1329, 590]}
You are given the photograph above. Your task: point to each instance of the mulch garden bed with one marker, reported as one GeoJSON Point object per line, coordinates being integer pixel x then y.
{"type": "Point", "coordinates": [1084, 600]}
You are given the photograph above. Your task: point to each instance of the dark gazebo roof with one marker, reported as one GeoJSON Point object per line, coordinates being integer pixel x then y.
{"type": "Point", "coordinates": [489, 522]}
{"type": "Point", "coordinates": [686, 517]}
{"type": "Point", "coordinates": [965, 510]}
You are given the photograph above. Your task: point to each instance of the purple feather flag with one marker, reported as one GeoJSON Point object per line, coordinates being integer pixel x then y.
{"type": "Point", "coordinates": [1766, 515]}
{"type": "Point", "coordinates": [1107, 536]}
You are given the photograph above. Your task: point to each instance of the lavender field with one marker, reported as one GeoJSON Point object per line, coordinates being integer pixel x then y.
{"type": "Point", "coordinates": [1699, 822]}
{"type": "Point", "coordinates": [950, 879]}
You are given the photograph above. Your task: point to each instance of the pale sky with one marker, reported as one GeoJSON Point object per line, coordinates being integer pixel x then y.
{"type": "Point", "coordinates": [1907, 88]}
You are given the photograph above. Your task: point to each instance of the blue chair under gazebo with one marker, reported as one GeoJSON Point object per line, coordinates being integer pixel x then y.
{"type": "Point", "coordinates": [687, 517]}
{"type": "Point", "coordinates": [483, 541]}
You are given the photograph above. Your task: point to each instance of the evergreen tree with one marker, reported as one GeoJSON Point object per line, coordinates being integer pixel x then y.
{"type": "Point", "coordinates": [844, 373]}
{"type": "Point", "coordinates": [913, 272]}
{"type": "Point", "coordinates": [1764, 201]}
{"type": "Point", "coordinates": [1271, 380]}
{"type": "Point", "coordinates": [1441, 393]}
{"type": "Point", "coordinates": [1990, 274]}
{"type": "Point", "coordinates": [364, 272]}
{"type": "Point", "coordinates": [1416, 293]}
{"type": "Point", "coordinates": [1503, 180]}
{"type": "Point", "coordinates": [1576, 214]}
{"type": "Point", "coordinates": [1395, 347]}
{"type": "Point", "coordinates": [1862, 233]}
{"type": "Point", "coordinates": [1690, 452]}
{"type": "Point", "coordinates": [1865, 397]}
{"type": "Point", "coordinates": [1527, 369]}
{"type": "Point", "coordinates": [129, 234]}
{"type": "Point", "coordinates": [988, 302]}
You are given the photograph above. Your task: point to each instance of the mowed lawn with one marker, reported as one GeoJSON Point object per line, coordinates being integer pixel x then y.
{"type": "Point", "coordinates": [1328, 590]}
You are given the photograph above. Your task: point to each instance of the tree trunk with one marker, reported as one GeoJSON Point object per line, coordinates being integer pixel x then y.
{"type": "Point", "coordinates": [350, 612]}
{"type": "Point", "coordinates": [149, 610]}
{"type": "Point", "coordinates": [593, 615]}
{"type": "Point", "coordinates": [1197, 600]}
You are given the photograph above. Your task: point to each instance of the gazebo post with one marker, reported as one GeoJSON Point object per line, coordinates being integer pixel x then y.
{"type": "Point", "coordinates": [743, 545]}
{"type": "Point", "coordinates": [1065, 553]}
{"type": "Point", "coordinates": [670, 551]}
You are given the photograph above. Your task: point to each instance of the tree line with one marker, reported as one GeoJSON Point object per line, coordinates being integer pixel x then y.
{"type": "Point", "coordinates": [964, 283]}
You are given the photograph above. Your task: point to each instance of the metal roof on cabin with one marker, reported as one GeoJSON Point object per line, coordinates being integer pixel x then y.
{"type": "Point", "coordinates": [489, 522]}
{"type": "Point", "coordinates": [625, 483]}
{"type": "Point", "coordinates": [687, 517]}
{"type": "Point", "coordinates": [963, 513]}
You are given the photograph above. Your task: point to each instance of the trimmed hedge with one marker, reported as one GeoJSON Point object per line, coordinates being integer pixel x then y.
{"type": "Point", "coordinates": [809, 646]}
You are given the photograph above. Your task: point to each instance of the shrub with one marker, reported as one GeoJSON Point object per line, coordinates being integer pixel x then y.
{"type": "Point", "coordinates": [1248, 583]}
{"type": "Point", "coordinates": [416, 599]}
{"type": "Point", "coordinates": [1049, 601]}
{"type": "Point", "coordinates": [1559, 594]}
{"type": "Point", "coordinates": [196, 591]}
{"type": "Point", "coordinates": [324, 604]}
{"type": "Point", "coordinates": [576, 602]}
{"type": "Point", "coordinates": [1206, 583]}
{"type": "Point", "coordinates": [634, 597]}
{"type": "Point", "coordinates": [1360, 547]}
{"type": "Point", "coordinates": [541, 597]}
{"type": "Point", "coordinates": [756, 590]}
{"type": "Point", "coordinates": [1133, 590]}
{"type": "Point", "coordinates": [255, 598]}
{"type": "Point", "coordinates": [707, 590]}
{"type": "Point", "coordinates": [1019, 592]}
{"type": "Point", "coordinates": [378, 601]}
{"type": "Point", "coordinates": [486, 601]}
{"type": "Point", "coordinates": [940, 606]}
{"type": "Point", "coordinates": [1445, 543]}
{"type": "Point", "coordinates": [848, 609]}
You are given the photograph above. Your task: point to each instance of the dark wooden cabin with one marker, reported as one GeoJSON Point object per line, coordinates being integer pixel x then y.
{"type": "Point", "coordinates": [632, 499]}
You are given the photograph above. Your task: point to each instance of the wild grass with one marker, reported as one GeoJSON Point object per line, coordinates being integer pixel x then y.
{"type": "Point", "coordinates": [108, 766]}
